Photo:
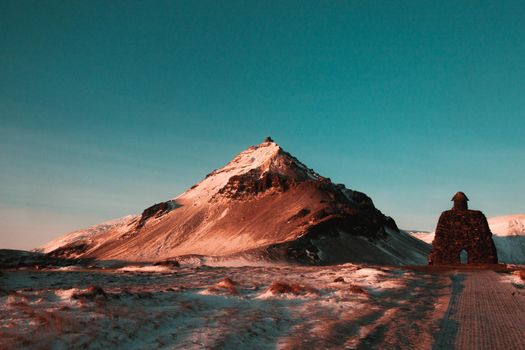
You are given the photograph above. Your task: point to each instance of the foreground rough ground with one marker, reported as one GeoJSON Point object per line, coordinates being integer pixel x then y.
{"type": "Point", "coordinates": [211, 307]}
{"type": "Point", "coordinates": [345, 306]}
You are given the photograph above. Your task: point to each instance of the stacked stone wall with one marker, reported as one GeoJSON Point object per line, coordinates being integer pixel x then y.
{"type": "Point", "coordinates": [459, 230]}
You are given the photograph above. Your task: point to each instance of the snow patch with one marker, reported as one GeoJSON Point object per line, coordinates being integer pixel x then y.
{"type": "Point", "coordinates": [146, 268]}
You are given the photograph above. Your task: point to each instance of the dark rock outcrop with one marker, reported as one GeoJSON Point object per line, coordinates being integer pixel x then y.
{"type": "Point", "coordinates": [253, 183]}
{"type": "Point", "coordinates": [90, 293]}
{"type": "Point", "coordinates": [155, 211]}
{"type": "Point", "coordinates": [461, 229]}
{"type": "Point", "coordinates": [10, 258]}
{"type": "Point", "coordinates": [70, 250]}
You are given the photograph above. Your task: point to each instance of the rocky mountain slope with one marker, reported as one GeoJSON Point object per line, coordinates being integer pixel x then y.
{"type": "Point", "coordinates": [509, 237]}
{"type": "Point", "coordinates": [264, 205]}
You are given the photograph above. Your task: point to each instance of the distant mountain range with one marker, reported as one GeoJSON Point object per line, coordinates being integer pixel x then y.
{"type": "Point", "coordinates": [509, 237]}
{"type": "Point", "coordinates": [264, 205]}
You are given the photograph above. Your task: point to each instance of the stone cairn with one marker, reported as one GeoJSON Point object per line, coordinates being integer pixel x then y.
{"type": "Point", "coordinates": [461, 229]}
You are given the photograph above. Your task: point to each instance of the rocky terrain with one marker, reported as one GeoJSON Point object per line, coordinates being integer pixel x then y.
{"type": "Point", "coordinates": [264, 205]}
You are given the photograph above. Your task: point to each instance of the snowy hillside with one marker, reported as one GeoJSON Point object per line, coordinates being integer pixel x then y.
{"type": "Point", "coordinates": [509, 225]}
{"type": "Point", "coordinates": [509, 237]}
{"type": "Point", "coordinates": [263, 205]}
{"type": "Point", "coordinates": [426, 237]}
{"type": "Point", "coordinates": [87, 235]}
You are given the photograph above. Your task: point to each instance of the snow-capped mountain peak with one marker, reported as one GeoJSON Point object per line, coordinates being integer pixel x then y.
{"type": "Point", "coordinates": [266, 157]}
{"type": "Point", "coordinates": [508, 225]}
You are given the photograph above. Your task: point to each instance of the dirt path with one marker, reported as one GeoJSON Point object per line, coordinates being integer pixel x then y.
{"type": "Point", "coordinates": [484, 313]}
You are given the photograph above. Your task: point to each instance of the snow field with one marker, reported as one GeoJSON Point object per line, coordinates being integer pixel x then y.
{"type": "Point", "coordinates": [186, 308]}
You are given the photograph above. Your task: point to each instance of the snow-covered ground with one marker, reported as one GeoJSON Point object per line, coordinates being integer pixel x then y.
{"type": "Point", "coordinates": [517, 277]}
{"type": "Point", "coordinates": [194, 307]}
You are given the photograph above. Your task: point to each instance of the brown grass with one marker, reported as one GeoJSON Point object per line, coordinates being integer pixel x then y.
{"type": "Point", "coordinates": [278, 287]}
{"type": "Point", "coordinates": [168, 262]}
{"type": "Point", "coordinates": [357, 290]}
{"type": "Point", "coordinates": [225, 285]}
{"type": "Point", "coordinates": [90, 292]}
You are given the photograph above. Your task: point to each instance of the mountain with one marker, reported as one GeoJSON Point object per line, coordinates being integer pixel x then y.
{"type": "Point", "coordinates": [264, 205]}
{"type": "Point", "coordinates": [509, 237]}
{"type": "Point", "coordinates": [425, 236]}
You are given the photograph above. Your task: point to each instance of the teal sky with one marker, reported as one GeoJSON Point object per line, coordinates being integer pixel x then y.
{"type": "Point", "coordinates": [107, 107]}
